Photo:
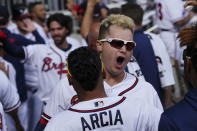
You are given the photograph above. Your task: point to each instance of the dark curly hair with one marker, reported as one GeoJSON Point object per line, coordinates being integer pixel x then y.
{"type": "Point", "coordinates": [85, 66]}
{"type": "Point", "coordinates": [63, 20]}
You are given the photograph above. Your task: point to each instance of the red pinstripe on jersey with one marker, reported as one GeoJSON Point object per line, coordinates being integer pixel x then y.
{"type": "Point", "coordinates": [128, 89]}
{"type": "Point", "coordinates": [13, 107]}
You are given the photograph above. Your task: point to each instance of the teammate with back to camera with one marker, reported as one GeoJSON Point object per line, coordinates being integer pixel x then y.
{"type": "Point", "coordinates": [115, 46]}
{"type": "Point", "coordinates": [183, 115]}
{"type": "Point", "coordinates": [96, 111]}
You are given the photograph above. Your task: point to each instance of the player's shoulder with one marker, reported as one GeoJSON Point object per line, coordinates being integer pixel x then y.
{"type": "Point", "coordinates": [74, 42]}
{"type": "Point", "coordinates": [64, 86]}
{"type": "Point", "coordinates": [130, 77]}
{"type": "Point", "coordinates": [99, 103]}
{"type": "Point", "coordinates": [37, 47]}
{"type": "Point", "coordinates": [139, 83]}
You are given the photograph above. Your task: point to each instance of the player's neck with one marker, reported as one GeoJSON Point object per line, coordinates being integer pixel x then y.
{"type": "Point", "coordinates": [64, 45]}
{"type": "Point", "coordinates": [98, 92]}
{"type": "Point", "coordinates": [92, 95]}
{"type": "Point", "coordinates": [114, 79]}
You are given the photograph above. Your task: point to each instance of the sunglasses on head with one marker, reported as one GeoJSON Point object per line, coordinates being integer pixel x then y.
{"type": "Point", "coordinates": [118, 43]}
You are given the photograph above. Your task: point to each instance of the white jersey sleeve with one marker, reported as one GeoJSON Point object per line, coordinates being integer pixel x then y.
{"type": "Point", "coordinates": [30, 52]}
{"type": "Point", "coordinates": [62, 97]}
{"type": "Point", "coordinates": [163, 60]}
{"type": "Point", "coordinates": [3, 126]}
{"type": "Point", "coordinates": [12, 72]}
{"type": "Point", "coordinates": [8, 94]}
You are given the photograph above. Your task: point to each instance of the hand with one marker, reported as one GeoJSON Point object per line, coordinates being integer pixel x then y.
{"type": "Point", "coordinates": [3, 68]}
{"type": "Point", "coordinates": [29, 26]}
{"type": "Point", "coordinates": [191, 2]}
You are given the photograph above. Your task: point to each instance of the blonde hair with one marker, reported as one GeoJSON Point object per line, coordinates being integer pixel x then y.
{"type": "Point", "coordinates": [119, 20]}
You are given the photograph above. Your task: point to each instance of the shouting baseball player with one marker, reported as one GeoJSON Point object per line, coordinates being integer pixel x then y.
{"type": "Point", "coordinates": [96, 111]}
{"type": "Point", "coordinates": [115, 46]}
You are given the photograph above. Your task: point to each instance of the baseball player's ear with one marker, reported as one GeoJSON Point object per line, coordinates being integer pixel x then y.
{"type": "Point", "coordinates": [70, 79]}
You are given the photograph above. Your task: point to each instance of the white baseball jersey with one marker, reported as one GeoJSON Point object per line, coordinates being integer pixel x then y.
{"type": "Point", "coordinates": [134, 69]}
{"type": "Point", "coordinates": [31, 79]}
{"type": "Point", "coordinates": [8, 94]}
{"type": "Point", "coordinates": [163, 60]}
{"type": "Point", "coordinates": [168, 12]}
{"type": "Point", "coordinates": [50, 64]}
{"type": "Point", "coordinates": [12, 72]}
{"type": "Point", "coordinates": [107, 114]}
{"type": "Point", "coordinates": [73, 41]}
{"type": "Point", "coordinates": [64, 96]}
{"type": "Point", "coordinates": [3, 126]}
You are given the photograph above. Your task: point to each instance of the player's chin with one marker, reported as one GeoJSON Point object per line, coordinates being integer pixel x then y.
{"type": "Point", "coordinates": [117, 71]}
{"type": "Point", "coordinates": [57, 42]}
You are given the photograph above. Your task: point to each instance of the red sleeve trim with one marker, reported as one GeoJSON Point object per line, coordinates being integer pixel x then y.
{"type": "Point", "coordinates": [14, 107]}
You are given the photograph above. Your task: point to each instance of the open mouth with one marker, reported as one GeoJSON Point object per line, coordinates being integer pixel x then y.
{"type": "Point", "coordinates": [120, 60]}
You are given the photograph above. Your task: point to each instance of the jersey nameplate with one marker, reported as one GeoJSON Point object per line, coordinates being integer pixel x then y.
{"type": "Point", "coordinates": [101, 119]}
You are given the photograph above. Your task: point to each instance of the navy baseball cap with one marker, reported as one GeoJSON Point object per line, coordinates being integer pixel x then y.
{"type": "Point", "coordinates": [4, 13]}
{"type": "Point", "coordinates": [20, 13]}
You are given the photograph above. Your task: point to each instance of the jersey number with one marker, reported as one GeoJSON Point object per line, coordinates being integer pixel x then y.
{"type": "Point", "coordinates": [159, 13]}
